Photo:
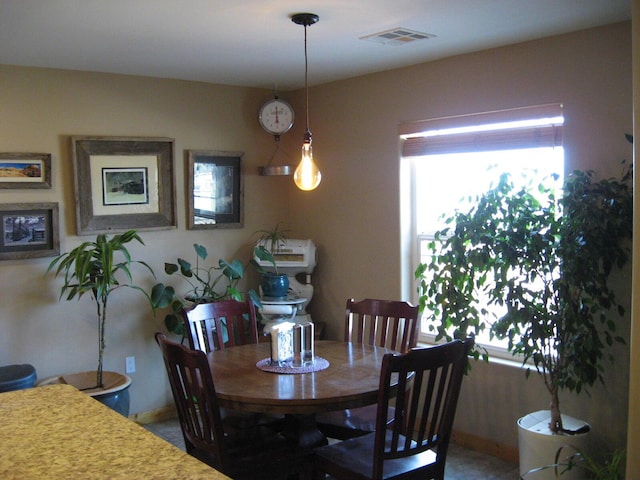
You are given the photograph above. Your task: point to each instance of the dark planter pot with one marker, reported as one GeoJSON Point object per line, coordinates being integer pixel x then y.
{"type": "Point", "coordinates": [17, 377]}
{"type": "Point", "coordinates": [274, 285]}
{"type": "Point", "coordinates": [114, 395]}
{"type": "Point", "coordinates": [117, 399]}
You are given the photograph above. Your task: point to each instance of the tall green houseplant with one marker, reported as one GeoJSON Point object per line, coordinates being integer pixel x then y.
{"type": "Point", "coordinates": [544, 263]}
{"type": "Point", "coordinates": [94, 268]}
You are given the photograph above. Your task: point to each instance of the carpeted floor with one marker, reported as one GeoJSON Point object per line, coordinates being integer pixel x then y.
{"type": "Point", "coordinates": [462, 464]}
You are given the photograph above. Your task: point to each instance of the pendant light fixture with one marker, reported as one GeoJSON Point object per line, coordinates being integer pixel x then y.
{"type": "Point", "coordinates": [307, 176]}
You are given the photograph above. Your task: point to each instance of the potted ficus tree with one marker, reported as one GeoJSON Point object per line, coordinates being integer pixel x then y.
{"type": "Point", "coordinates": [533, 267]}
{"type": "Point", "coordinates": [98, 268]}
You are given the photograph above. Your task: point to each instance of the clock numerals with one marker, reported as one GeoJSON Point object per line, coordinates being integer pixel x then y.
{"type": "Point", "coordinates": [273, 117]}
{"type": "Point", "coordinates": [276, 117]}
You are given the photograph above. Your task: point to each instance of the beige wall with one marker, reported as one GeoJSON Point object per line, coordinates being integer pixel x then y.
{"type": "Point", "coordinates": [353, 216]}
{"type": "Point", "coordinates": [39, 110]}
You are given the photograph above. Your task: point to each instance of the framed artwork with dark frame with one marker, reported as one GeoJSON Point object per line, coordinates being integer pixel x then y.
{"type": "Point", "coordinates": [25, 170]}
{"type": "Point", "coordinates": [123, 183]}
{"type": "Point", "coordinates": [29, 230]}
{"type": "Point", "coordinates": [214, 189]}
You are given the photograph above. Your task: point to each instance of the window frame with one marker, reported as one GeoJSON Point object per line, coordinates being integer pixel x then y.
{"type": "Point", "coordinates": [414, 141]}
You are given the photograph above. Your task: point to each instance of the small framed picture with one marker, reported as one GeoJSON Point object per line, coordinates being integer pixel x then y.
{"type": "Point", "coordinates": [125, 186]}
{"type": "Point", "coordinates": [25, 170]}
{"type": "Point", "coordinates": [214, 189]}
{"type": "Point", "coordinates": [29, 230]}
{"type": "Point", "coordinates": [123, 183]}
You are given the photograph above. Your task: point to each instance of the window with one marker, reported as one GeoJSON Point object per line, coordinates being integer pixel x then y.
{"type": "Point", "coordinates": [448, 162]}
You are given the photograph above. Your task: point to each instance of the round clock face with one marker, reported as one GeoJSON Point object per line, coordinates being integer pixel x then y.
{"type": "Point", "coordinates": [276, 116]}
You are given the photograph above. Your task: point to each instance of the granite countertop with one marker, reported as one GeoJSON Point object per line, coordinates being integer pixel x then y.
{"type": "Point", "coordinates": [58, 432]}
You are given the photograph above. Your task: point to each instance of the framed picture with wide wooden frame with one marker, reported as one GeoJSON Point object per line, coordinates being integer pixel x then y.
{"type": "Point", "coordinates": [214, 189]}
{"type": "Point", "coordinates": [25, 170]}
{"type": "Point", "coordinates": [123, 183]}
{"type": "Point", "coordinates": [29, 230]}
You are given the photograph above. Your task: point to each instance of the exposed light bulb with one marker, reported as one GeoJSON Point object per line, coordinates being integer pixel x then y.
{"type": "Point", "coordinates": [307, 175]}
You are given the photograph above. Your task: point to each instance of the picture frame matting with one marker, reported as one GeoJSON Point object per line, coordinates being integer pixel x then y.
{"type": "Point", "coordinates": [123, 183]}
{"type": "Point", "coordinates": [25, 170]}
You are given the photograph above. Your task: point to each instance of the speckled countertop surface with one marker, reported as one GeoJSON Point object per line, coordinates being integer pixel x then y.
{"type": "Point", "coordinates": [57, 432]}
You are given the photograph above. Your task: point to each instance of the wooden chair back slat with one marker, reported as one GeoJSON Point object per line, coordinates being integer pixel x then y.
{"type": "Point", "coordinates": [218, 325]}
{"type": "Point", "coordinates": [385, 323]}
{"type": "Point", "coordinates": [430, 379]}
{"type": "Point", "coordinates": [195, 399]}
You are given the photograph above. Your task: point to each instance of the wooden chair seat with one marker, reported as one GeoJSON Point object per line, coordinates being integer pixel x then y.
{"type": "Point", "coordinates": [356, 456]}
{"type": "Point", "coordinates": [349, 423]}
{"type": "Point", "coordinates": [257, 453]}
{"type": "Point", "coordinates": [236, 421]}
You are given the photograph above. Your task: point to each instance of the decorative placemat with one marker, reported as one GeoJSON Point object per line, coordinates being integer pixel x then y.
{"type": "Point", "coordinates": [318, 364]}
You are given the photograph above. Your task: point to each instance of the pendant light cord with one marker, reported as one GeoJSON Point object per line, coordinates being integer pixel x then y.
{"type": "Point", "coordinates": [306, 19]}
{"type": "Point", "coordinates": [306, 72]}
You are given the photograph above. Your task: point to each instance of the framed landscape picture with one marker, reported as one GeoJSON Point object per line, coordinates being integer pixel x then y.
{"type": "Point", "coordinates": [123, 183]}
{"type": "Point", "coordinates": [25, 170]}
{"type": "Point", "coordinates": [29, 230]}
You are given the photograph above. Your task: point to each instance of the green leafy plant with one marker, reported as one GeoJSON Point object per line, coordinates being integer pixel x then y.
{"type": "Point", "coordinates": [262, 253]}
{"type": "Point", "coordinates": [93, 268]}
{"type": "Point", "coordinates": [611, 467]}
{"type": "Point", "coordinates": [206, 284]}
{"type": "Point", "coordinates": [268, 246]}
{"type": "Point", "coordinates": [269, 242]}
{"type": "Point", "coordinates": [544, 262]}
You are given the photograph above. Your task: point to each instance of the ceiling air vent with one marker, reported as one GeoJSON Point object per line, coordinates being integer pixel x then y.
{"type": "Point", "coordinates": [397, 36]}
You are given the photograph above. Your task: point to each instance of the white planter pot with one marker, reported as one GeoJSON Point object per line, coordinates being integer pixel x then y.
{"type": "Point", "coordinates": [538, 446]}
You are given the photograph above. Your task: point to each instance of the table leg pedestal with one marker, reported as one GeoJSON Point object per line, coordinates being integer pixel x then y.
{"type": "Point", "coordinates": [304, 430]}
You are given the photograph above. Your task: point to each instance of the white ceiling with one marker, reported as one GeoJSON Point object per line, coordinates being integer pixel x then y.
{"type": "Point", "coordinates": [254, 43]}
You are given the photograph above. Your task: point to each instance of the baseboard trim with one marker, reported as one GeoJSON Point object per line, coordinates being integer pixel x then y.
{"type": "Point", "coordinates": [152, 416]}
{"type": "Point", "coordinates": [482, 445]}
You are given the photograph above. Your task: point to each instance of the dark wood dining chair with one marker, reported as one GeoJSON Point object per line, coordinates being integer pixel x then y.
{"type": "Point", "coordinates": [249, 454]}
{"type": "Point", "coordinates": [384, 323]}
{"type": "Point", "coordinates": [415, 444]}
{"type": "Point", "coordinates": [225, 324]}
{"type": "Point", "coordinates": [218, 325]}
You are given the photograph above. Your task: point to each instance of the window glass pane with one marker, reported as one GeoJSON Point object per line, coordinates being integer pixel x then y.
{"type": "Point", "coordinates": [448, 182]}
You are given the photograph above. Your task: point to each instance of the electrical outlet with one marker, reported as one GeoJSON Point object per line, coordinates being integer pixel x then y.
{"type": "Point", "coordinates": [130, 365]}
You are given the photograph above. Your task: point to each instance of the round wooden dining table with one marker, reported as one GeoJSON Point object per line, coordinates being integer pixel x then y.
{"type": "Point", "coordinates": [351, 380]}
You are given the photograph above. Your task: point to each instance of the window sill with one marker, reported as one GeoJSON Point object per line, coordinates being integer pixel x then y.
{"type": "Point", "coordinates": [499, 358]}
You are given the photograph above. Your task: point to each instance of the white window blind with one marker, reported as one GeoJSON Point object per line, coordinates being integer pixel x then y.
{"type": "Point", "coordinates": [542, 128]}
